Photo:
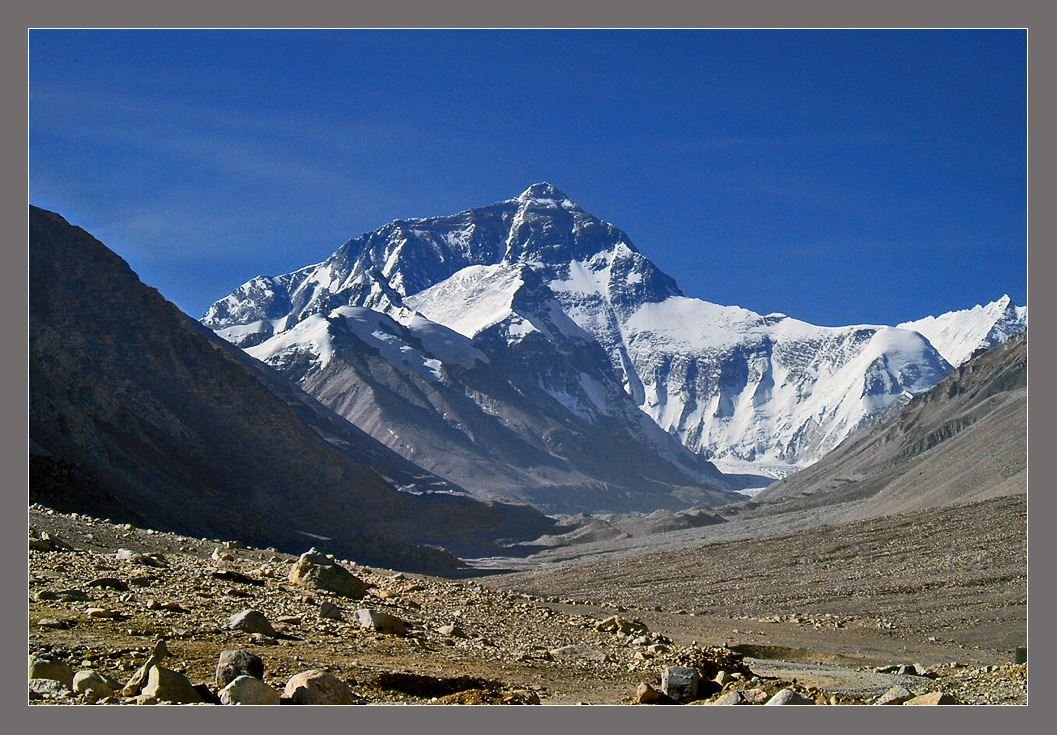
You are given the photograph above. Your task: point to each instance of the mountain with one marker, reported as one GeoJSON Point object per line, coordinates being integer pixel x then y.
{"type": "Point", "coordinates": [755, 394]}
{"type": "Point", "coordinates": [139, 412]}
{"type": "Point", "coordinates": [963, 441]}
{"type": "Point", "coordinates": [958, 335]}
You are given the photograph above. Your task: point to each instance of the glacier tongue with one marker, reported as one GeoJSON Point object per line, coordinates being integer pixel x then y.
{"type": "Point", "coordinates": [770, 392]}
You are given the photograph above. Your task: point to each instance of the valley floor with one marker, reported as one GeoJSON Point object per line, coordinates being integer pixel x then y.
{"type": "Point", "coordinates": [945, 589]}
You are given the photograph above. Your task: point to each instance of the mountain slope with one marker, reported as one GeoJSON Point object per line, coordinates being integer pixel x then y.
{"type": "Point", "coordinates": [964, 440]}
{"type": "Point", "coordinates": [959, 335]}
{"type": "Point", "coordinates": [753, 393]}
{"type": "Point", "coordinates": [137, 410]}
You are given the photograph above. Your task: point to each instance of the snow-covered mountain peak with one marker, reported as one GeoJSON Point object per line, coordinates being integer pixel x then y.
{"type": "Point", "coordinates": [958, 335]}
{"type": "Point", "coordinates": [544, 192]}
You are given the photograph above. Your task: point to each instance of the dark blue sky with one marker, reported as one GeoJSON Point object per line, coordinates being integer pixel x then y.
{"type": "Point", "coordinates": [837, 176]}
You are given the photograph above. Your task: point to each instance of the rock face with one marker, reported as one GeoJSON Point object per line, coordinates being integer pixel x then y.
{"type": "Point", "coordinates": [248, 690]}
{"type": "Point", "coordinates": [317, 687]}
{"type": "Point", "coordinates": [164, 409]}
{"type": "Point", "coordinates": [234, 664]}
{"type": "Point", "coordinates": [317, 571]}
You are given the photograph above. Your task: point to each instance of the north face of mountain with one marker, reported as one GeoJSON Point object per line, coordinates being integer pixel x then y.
{"type": "Point", "coordinates": [137, 411]}
{"type": "Point", "coordinates": [753, 393]}
{"type": "Point", "coordinates": [963, 441]}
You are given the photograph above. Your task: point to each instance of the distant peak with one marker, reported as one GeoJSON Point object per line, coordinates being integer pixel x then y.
{"type": "Point", "coordinates": [542, 190]}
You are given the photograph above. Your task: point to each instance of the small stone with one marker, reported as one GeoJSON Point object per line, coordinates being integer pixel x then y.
{"type": "Point", "coordinates": [933, 698]}
{"type": "Point", "coordinates": [289, 619]}
{"type": "Point", "coordinates": [263, 640]}
{"type": "Point", "coordinates": [109, 583]}
{"type": "Point", "coordinates": [219, 555]}
{"type": "Point", "coordinates": [316, 571]}
{"type": "Point", "coordinates": [167, 685]}
{"type": "Point", "coordinates": [732, 698]}
{"type": "Point", "coordinates": [63, 596]}
{"type": "Point", "coordinates": [680, 683]}
{"type": "Point", "coordinates": [581, 651]}
{"type": "Point", "coordinates": [248, 690]}
{"type": "Point", "coordinates": [230, 575]}
{"type": "Point", "coordinates": [721, 678]}
{"type": "Point", "coordinates": [895, 695]}
{"type": "Point", "coordinates": [236, 663]}
{"type": "Point", "coordinates": [380, 621]}
{"type": "Point", "coordinates": [100, 612]}
{"type": "Point", "coordinates": [452, 631]}
{"type": "Point", "coordinates": [329, 611]}
{"type": "Point", "coordinates": [251, 621]}
{"type": "Point", "coordinates": [318, 687]}
{"type": "Point", "coordinates": [788, 696]}
{"type": "Point", "coordinates": [52, 623]}
{"type": "Point", "coordinates": [49, 668]}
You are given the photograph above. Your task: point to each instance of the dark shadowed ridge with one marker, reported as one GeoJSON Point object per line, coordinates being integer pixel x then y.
{"type": "Point", "coordinates": [138, 412]}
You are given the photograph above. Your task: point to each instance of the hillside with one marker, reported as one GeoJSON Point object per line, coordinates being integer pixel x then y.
{"type": "Point", "coordinates": [138, 412]}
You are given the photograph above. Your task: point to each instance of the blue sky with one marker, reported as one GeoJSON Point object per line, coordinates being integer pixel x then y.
{"type": "Point", "coordinates": [837, 176]}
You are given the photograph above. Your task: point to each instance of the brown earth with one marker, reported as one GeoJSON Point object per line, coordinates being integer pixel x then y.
{"type": "Point", "coordinates": [766, 600]}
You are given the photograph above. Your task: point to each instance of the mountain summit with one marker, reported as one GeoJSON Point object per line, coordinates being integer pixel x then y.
{"type": "Point", "coordinates": [536, 273]}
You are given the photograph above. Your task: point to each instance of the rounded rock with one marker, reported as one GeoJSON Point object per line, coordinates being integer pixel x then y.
{"type": "Point", "coordinates": [317, 687]}
{"type": "Point", "coordinates": [248, 690]}
{"type": "Point", "coordinates": [236, 663]}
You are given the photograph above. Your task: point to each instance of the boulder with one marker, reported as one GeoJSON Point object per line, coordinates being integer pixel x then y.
{"type": "Point", "coordinates": [92, 684]}
{"type": "Point", "coordinates": [680, 683]}
{"type": "Point", "coordinates": [788, 696]}
{"type": "Point", "coordinates": [167, 685]}
{"type": "Point", "coordinates": [645, 694]}
{"type": "Point", "coordinates": [236, 663]}
{"type": "Point", "coordinates": [380, 621]}
{"type": "Point", "coordinates": [251, 621]}
{"type": "Point", "coordinates": [317, 687]}
{"type": "Point", "coordinates": [248, 690]}
{"type": "Point", "coordinates": [316, 571]}
{"type": "Point", "coordinates": [41, 688]}
{"type": "Point", "coordinates": [49, 668]}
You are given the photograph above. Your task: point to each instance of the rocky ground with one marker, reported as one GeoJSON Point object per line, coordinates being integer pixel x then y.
{"type": "Point", "coordinates": [102, 595]}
